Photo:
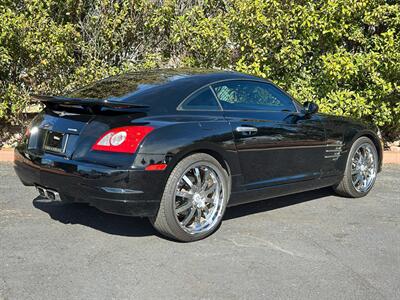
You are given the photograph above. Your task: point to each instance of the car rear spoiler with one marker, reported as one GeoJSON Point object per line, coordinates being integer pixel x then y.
{"type": "Point", "coordinates": [90, 104]}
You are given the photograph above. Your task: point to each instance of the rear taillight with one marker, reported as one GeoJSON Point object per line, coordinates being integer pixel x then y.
{"type": "Point", "coordinates": [123, 139]}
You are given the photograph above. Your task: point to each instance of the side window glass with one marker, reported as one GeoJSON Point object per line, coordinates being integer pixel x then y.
{"type": "Point", "coordinates": [252, 95]}
{"type": "Point", "coordinates": [201, 100]}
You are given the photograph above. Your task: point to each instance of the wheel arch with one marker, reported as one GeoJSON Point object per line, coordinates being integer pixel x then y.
{"type": "Point", "coordinates": [375, 139]}
{"type": "Point", "coordinates": [223, 161]}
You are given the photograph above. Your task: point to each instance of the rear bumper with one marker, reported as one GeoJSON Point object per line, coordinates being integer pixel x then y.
{"type": "Point", "coordinates": [125, 192]}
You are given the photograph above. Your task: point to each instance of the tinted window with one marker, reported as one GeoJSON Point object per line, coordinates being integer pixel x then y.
{"type": "Point", "coordinates": [202, 100]}
{"type": "Point", "coordinates": [252, 95]}
{"type": "Point", "coordinates": [128, 84]}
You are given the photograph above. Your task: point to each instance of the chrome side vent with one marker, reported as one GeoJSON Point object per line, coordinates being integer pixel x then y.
{"type": "Point", "coordinates": [333, 151]}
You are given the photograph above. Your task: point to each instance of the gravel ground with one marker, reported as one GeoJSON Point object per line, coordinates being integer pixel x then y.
{"type": "Point", "coordinates": [313, 245]}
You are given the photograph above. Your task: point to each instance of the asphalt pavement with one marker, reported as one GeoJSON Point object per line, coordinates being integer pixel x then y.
{"type": "Point", "coordinates": [313, 245]}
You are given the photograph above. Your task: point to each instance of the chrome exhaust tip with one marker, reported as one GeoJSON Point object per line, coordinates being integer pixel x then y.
{"type": "Point", "coordinates": [48, 194]}
{"type": "Point", "coordinates": [53, 195]}
{"type": "Point", "coordinates": [42, 192]}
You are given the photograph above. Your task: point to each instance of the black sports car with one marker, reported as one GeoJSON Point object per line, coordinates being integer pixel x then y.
{"type": "Point", "coordinates": [180, 145]}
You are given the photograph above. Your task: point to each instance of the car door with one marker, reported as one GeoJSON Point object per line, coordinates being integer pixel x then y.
{"type": "Point", "coordinates": [276, 143]}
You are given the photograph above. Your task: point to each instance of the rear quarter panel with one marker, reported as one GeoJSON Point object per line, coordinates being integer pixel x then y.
{"type": "Point", "coordinates": [178, 135]}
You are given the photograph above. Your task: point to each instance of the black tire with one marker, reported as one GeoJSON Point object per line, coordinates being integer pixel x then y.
{"type": "Point", "coordinates": [345, 187]}
{"type": "Point", "coordinates": [165, 221]}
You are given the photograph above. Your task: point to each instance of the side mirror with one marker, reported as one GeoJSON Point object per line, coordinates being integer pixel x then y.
{"type": "Point", "coordinates": [310, 107]}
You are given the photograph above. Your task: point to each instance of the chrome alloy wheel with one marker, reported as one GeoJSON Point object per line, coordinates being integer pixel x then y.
{"type": "Point", "coordinates": [363, 168]}
{"type": "Point", "coordinates": [199, 198]}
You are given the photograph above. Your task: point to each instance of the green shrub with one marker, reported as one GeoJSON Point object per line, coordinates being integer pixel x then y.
{"type": "Point", "coordinates": [343, 54]}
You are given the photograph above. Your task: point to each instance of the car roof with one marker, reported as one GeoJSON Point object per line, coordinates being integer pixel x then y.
{"type": "Point", "coordinates": [158, 88]}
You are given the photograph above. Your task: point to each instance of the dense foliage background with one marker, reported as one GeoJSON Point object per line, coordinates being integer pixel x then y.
{"type": "Point", "coordinates": [343, 54]}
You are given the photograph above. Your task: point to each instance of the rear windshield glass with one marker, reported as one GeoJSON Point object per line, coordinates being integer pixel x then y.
{"type": "Point", "coordinates": [125, 85]}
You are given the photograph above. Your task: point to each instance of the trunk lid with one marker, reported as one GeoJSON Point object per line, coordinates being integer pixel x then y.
{"type": "Point", "coordinates": [69, 127]}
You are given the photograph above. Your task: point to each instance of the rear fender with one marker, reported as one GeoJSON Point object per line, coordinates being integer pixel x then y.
{"type": "Point", "coordinates": [170, 144]}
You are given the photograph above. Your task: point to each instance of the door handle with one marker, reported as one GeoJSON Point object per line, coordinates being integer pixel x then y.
{"type": "Point", "coordinates": [246, 130]}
